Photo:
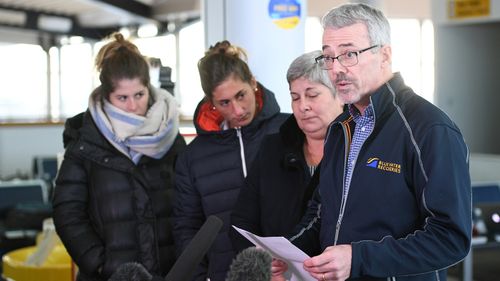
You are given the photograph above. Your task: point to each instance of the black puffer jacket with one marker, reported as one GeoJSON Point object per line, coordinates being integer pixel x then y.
{"type": "Point", "coordinates": [109, 211]}
{"type": "Point", "coordinates": [277, 189]}
{"type": "Point", "coordinates": [209, 176]}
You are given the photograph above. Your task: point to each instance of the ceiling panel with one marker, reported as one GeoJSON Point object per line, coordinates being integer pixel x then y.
{"type": "Point", "coordinates": [88, 18]}
{"type": "Point", "coordinates": [67, 7]}
{"type": "Point", "coordinates": [94, 18]}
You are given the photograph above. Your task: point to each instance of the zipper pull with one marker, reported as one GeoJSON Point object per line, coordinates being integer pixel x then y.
{"type": "Point", "coordinates": [337, 230]}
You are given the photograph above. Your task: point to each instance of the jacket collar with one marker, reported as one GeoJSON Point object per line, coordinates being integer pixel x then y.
{"type": "Point", "coordinates": [292, 138]}
{"type": "Point", "coordinates": [382, 99]}
{"type": "Point", "coordinates": [207, 121]}
{"type": "Point", "coordinates": [291, 134]}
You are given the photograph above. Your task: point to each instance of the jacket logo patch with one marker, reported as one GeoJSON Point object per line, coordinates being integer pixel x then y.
{"type": "Point", "coordinates": [376, 163]}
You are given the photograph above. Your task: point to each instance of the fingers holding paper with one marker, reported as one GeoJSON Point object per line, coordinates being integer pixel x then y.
{"type": "Point", "coordinates": [278, 268]}
{"type": "Point", "coordinates": [333, 264]}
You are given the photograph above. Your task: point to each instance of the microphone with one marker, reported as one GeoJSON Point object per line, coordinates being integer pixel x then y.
{"type": "Point", "coordinates": [132, 271]}
{"type": "Point", "coordinates": [183, 268]}
{"type": "Point", "coordinates": [251, 264]}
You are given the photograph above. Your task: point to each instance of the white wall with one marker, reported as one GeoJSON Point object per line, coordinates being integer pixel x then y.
{"type": "Point", "coordinates": [484, 167]}
{"type": "Point", "coordinates": [441, 13]}
{"type": "Point", "coordinates": [392, 8]}
{"type": "Point", "coordinates": [19, 144]}
{"type": "Point", "coordinates": [467, 83]}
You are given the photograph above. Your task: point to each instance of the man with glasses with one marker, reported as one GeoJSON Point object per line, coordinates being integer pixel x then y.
{"type": "Point", "coordinates": [394, 192]}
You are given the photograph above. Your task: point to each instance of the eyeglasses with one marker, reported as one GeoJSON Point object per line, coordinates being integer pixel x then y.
{"type": "Point", "coordinates": [347, 59]}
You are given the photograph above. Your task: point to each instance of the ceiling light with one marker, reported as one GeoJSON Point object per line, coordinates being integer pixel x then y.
{"type": "Point", "coordinates": [147, 30]}
{"type": "Point", "coordinates": [12, 17]}
{"type": "Point", "coordinates": [55, 24]}
{"type": "Point", "coordinates": [125, 32]}
{"type": "Point", "coordinates": [76, 40]}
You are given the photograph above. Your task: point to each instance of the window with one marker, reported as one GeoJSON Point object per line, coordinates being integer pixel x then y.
{"type": "Point", "coordinates": [23, 95]}
{"type": "Point", "coordinates": [427, 66]}
{"type": "Point", "coordinates": [25, 92]}
{"type": "Point", "coordinates": [413, 54]}
{"type": "Point", "coordinates": [76, 76]}
{"type": "Point", "coordinates": [162, 47]}
{"type": "Point", "coordinates": [313, 34]}
{"type": "Point", "coordinates": [191, 49]}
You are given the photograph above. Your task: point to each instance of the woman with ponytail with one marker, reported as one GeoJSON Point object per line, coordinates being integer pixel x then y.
{"type": "Point", "coordinates": [112, 200]}
{"type": "Point", "coordinates": [231, 121]}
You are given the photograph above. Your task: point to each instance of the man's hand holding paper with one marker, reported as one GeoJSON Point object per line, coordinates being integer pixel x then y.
{"type": "Point", "coordinates": [282, 249]}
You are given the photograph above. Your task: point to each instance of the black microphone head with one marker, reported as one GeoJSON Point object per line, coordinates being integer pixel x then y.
{"type": "Point", "coordinates": [131, 271]}
{"type": "Point", "coordinates": [251, 264]}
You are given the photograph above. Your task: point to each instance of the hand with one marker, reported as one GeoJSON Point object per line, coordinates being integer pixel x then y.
{"type": "Point", "coordinates": [278, 268]}
{"type": "Point", "coordinates": [333, 264]}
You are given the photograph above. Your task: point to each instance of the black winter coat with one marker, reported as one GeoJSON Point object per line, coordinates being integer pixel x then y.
{"type": "Point", "coordinates": [109, 211]}
{"type": "Point", "coordinates": [209, 176]}
{"type": "Point", "coordinates": [277, 190]}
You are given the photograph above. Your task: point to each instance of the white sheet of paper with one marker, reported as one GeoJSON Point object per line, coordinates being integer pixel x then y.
{"type": "Point", "coordinates": [282, 249]}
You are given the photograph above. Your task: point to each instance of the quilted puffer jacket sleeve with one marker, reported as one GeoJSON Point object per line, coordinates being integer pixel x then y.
{"type": "Point", "coordinates": [188, 216]}
{"type": "Point", "coordinates": [71, 217]}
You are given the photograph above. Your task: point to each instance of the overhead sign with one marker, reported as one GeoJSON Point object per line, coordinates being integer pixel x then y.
{"type": "Point", "coordinates": [461, 9]}
{"type": "Point", "coordinates": [285, 13]}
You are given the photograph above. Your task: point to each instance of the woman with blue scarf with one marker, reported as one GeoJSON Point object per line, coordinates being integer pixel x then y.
{"type": "Point", "coordinates": [112, 200]}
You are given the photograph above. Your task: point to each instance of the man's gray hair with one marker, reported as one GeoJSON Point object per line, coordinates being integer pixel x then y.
{"type": "Point", "coordinates": [377, 24]}
{"type": "Point", "coordinates": [305, 66]}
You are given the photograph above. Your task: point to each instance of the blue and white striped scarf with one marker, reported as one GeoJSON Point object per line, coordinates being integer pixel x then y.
{"type": "Point", "coordinates": [135, 135]}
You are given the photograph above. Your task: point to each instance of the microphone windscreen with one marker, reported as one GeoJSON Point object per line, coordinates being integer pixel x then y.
{"type": "Point", "coordinates": [190, 258]}
{"type": "Point", "coordinates": [251, 264]}
{"type": "Point", "coordinates": [131, 271]}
